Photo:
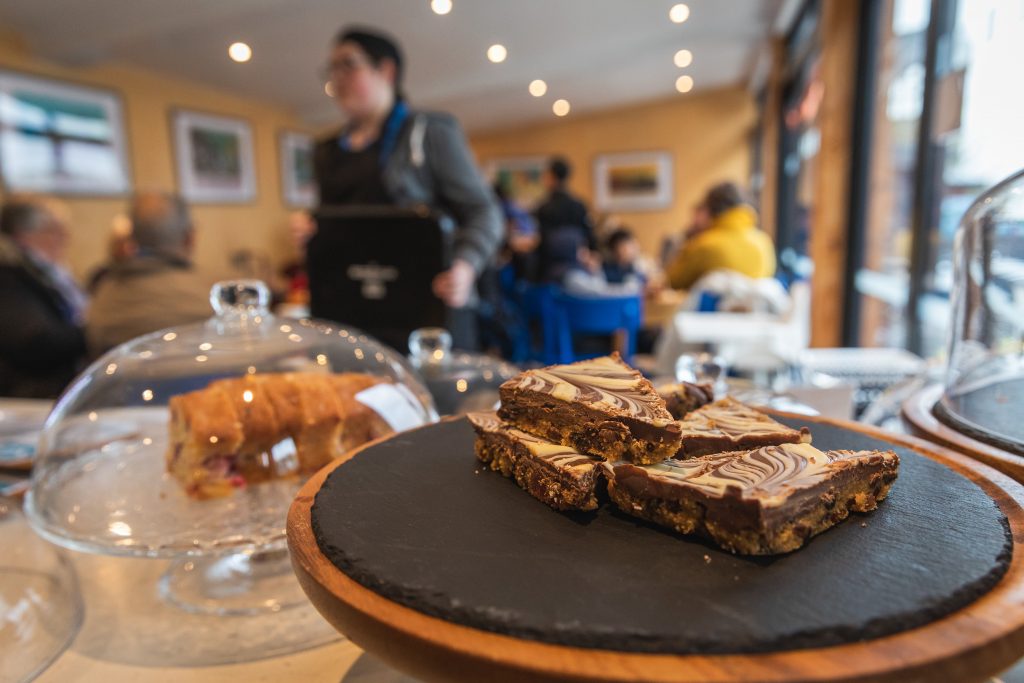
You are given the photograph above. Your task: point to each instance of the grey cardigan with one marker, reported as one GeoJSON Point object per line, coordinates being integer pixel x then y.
{"type": "Point", "coordinates": [432, 164]}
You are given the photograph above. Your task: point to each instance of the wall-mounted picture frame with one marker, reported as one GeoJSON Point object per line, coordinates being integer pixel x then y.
{"type": "Point", "coordinates": [60, 138]}
{"type": "Point", "coordinates": [633, 181]}
{"type": "Point", "coordinates": [298, 185]}
{"type": "Point", "coordinates": [215, 158]}
{"type": "Point", "coordinates": [521, 177]}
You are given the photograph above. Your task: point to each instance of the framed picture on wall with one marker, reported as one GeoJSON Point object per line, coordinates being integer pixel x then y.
{"type": "Point", "coordinates": [216, 164]}
{"type": "Point", "coordinates": [522, 178]}
{"type": "Point", "coordinates": [298, 186]}
{"type": "Point", "coordinates": [635, 181]}
{"type": "Point", "coordinates": [61, 138]}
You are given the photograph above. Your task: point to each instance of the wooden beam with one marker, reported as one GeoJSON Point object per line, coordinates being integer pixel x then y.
{"type": "Point", "coordinates": [831, 171]}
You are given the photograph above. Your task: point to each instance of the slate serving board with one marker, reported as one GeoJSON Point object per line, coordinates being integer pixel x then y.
{"type": "Point", "coordinates": [417, 520]}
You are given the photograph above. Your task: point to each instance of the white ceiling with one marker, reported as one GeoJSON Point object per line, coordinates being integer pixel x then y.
{"type": "Point", "coordinates": [595, 53]}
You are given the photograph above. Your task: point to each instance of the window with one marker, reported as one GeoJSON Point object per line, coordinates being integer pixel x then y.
{"type": "Point", "coordinates": [799, 142]}
{"type": "Point", "coordinates": [950, 67]}
{"type": "Point", "coordinates": [882, 282]}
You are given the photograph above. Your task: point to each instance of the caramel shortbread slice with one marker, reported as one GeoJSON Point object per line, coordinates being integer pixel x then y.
{"type": "Point", "coordinates": [759, 502]}
{"type": "Point", "coordinates": [728, 425]}
{"type": "Point", "coordinates": [601, 407]}
{"type": "Point", "coordinates": [552, 473]}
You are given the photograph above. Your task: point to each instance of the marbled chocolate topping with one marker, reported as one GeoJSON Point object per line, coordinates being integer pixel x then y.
{"type": "Point", "coordinates": [605, 383]}
{"type": "Point", "coordinates": [768, 474]}
{"type": "Point", "coordinates": [487, 421]}
{"type": "Point", "coordinates": [731, 418]}
{"type": "Point", "coordinates": [555, 454]}
{"type": "Point", "coordinates": [684, 397]}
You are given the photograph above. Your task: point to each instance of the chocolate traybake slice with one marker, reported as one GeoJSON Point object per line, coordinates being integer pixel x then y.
{"type": "Point", "coordinates": [600, 406]}
{"type": "Point", "coordinates": [728, 425]}
{"type": "Point", "coordinates": [685, 397]}
{"type": "Point", "coordinates": [552, 473]}
{"type": "Point", "coordinates": [761, 502]}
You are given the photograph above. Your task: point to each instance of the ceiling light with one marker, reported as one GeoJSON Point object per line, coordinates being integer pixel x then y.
{"type": "Point", "coordinates": [560, 107]}
{"type": "Point", "coordinates": [441, 6]}
{"type": "Point", "coordinates": [683, 58]}
{"type": "Point", "coordinates": [497, 53]}
{"type": "Point", "coordinates": [679, 13]}
{"type": "Point", "coordinates": [684, 83]}
{"type": "Point", "coordinates": [329, 89]}
{"type": "Point", "coordinates": [240, 52]}
{"type": "Point", "coordinates": [538, 88]}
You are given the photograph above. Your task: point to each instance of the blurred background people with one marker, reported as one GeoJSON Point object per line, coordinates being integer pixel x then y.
{"type": "Point", "coordinates": [561, 218]}
{"type": "Point", "coordinates": [521, 235]}
{"type": "Point", "coordinates": [623, 259]}
{"type": "Point", "coordinates": [158, 286]}
{"type": "Point", "coordinates": [301, 228]}
{"type": "Point", "coordinates": [390, 153]}
{"type": "Point", "coordinates": [120, 247]}
{"type": "Point", "coordinates": [724, 236]}
{"type": "Point", "coordinates": [42, 346]}
{"type": "Point", "coordinates": [587, 277]}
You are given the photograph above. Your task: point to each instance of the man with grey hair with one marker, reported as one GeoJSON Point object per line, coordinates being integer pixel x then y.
{"type": "Point", "coordinates": [42, 345]}
{"type": "Point", "coordinates": [158, 286]}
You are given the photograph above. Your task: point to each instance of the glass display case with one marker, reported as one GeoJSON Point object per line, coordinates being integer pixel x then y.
{"type": "Point", "coordinates": [984, 383]}
{"type": "Point", "coordinates": [190, 444]}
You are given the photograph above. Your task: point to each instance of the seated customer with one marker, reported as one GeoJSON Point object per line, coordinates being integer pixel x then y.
{"type": "Point", "coordinates": [725, 236]}
{"type": "Point", "coordinates": [42, 345]}
{"type": "Point", "coordinates": [158, 287]}
{"type": "Point", "coordinates": [120, 247]}
{"type": "Point", "coordinates": [623, 259]}
{"type": "Point", "coordinates": [586, 278]}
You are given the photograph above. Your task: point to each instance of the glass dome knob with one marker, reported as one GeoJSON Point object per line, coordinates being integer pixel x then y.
{"type": "Point", "coordinates": [430, 346]}
{"type": "Point", "coordinates": [240, 298]}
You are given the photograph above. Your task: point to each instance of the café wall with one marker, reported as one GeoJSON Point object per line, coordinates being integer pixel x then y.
{"type": "Point", "coordinates": [707, 133]}
{"type": "Point", "coordinates": [148, 99]}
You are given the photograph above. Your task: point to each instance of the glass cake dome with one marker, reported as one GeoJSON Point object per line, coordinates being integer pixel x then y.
{"type": "Point", "coordinates": [984, 384]}
{"type": "Point", "coordinates": [192, 442]}
{"type": "Point", "coordinates": [107, 479]}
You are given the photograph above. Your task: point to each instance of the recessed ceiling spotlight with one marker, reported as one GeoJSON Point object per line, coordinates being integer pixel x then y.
{"type": "Point", "coordinates": [683, 58]}
{"type": "Point", "coordinates": [560, 107]}
{"type": "Point", "coordinates": [497, 53]}
{"type": "Point", "coordinates": [240, 52]}
{"type": "Point", "coordinates": [684, 83]}
{"type": "Point", "coordinates": [441, 6]}
{"type": "Point", "coordinates": [329, 89]}
{"type": "Point", "coordinates": [679, 13]}
{"type": "Point", "coordinates": [538, 88]}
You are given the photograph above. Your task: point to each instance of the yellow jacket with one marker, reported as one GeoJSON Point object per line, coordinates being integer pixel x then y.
{"type": "Point", "coordinates": [732, 242]}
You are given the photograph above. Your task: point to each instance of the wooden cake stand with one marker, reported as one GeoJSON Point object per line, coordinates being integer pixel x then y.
{"type": "Point", "coordinates": [970, 644]}
{"type": "Point", "coordinates": [917, 413]}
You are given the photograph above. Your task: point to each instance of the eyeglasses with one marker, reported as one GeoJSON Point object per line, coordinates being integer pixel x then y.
{"type": "Point", "coordinates": [343, 67]}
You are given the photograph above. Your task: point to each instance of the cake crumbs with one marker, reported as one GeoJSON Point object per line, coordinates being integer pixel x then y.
{"type": "Point", "coordinates": [863, 525]}
{"type": "Point", "coordinates": [707, 559]}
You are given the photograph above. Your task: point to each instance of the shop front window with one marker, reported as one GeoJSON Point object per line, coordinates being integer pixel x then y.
{"type": "Point", "coordinates": [883, 281]}
{"type": "Point", "coordinates": [979, 136]}
{"type": "Point", "coordinates": [975, 140]}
